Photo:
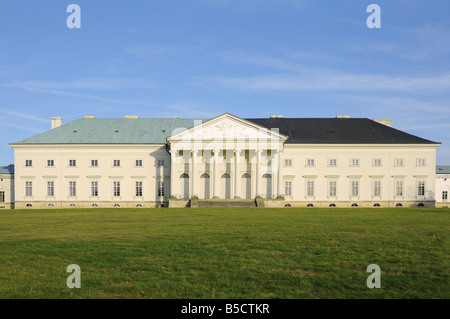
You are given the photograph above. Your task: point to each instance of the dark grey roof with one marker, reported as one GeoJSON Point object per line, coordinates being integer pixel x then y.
{"type": "Point", "coordinates": [7, 169]}
{"type": "Point", "coordinates": [338, 130]}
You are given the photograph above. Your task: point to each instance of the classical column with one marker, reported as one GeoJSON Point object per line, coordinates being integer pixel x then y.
{"type": "Point", "coordinates": [192, 192]}
{"type": "Point", "coordinates": [216, 174]}
{"type": "Point", "coordinates": [237, 193]}
{"type": "Point", "coordinates": [258, 171]}
{"type": "Point", "coordinates": [173, 179]}
{"type": "Point", "coordinates": [279, 176]}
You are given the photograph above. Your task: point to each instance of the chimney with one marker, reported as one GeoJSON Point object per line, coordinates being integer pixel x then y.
{"type": "Point", "coordinates": [343, 116]}
{"type": "Point", "coordinates": [56, 122]}
{"type": "Point", "coordinates": [176, 117]}
{"type": "Point", "coordinates": [131, 116]}
{"type": "Point", "coordinates": [386, 122]}
{"type": "Point", "coordinates": [89, 117]}
{"type": "Point", "coordinates": [276, 116]}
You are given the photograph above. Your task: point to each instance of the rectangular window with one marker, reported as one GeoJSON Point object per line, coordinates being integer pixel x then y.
{"type": "Point", "coordinates": [399, 162]}
{"type": "Point", "coordinates": [421, 188]}
{"type": "Point", "coordinates": [139, 189]}
{"type": "Point", "coordinates": [50, 188]}
{"type": "Point", "coordinates": [377, 162]}
{"type": "Point", "coordinates": [50, 163]}
{"type": "Point", "coordinates": [355, 188]}
{"type": "Point", "coordinates": [398, 188]}
{"type": "Point", "coordinates": [288, 188]}
{"type": "Point", "coordinates": [160, 188]}
{"type": "Point", "coordinates": [138, 163]}
{"type": "Point", "coordinates": [332, 162]}
{"type": "Point", "coordinates": [28, 188]}
{"type": "Point", "coordinates": [287, 162]}
{"type": "Point", "coordinates": [310, 162]}
{"type": "Point", "coordinates": [310, 188]}
{"type": "Point", "coordinates": [72, 188]}
{"type": "Point", "coordinates": [28, 163]}
{"type": "Point", "coordinates": [444, 195]}
{"type": "Point", "coordinates": [355, 162]}
{"type": "Point", "coordinates": [116, 189]}
{"type": "Point", "coordinates": [72, 163]}
{"type": "Point", "coordinates": [420, 162]}
{"type": "Point", "coordinates": [94, 163]}
{"type": "Point", "coordinates": [376, 188]}
{"type": "Point", "coordinates": [160, 163]}
{"type": "Point", "coordinates": [116, 163]}
{"type": "Point", "coordinates": [2, 197]}
{"type": "Point", "coordinates": [332, 188]}
{"type": "Point", "coordinates": [94, 188]}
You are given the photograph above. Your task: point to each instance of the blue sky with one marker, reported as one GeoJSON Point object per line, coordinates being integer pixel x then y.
{"type": "Point", "coordinates": [202, 58]}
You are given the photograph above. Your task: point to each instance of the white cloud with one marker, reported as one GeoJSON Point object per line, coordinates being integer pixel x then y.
{"type": "Point", "coordinates": [85, 83]}
{"type": "Point", "coordinates": [333, 81]}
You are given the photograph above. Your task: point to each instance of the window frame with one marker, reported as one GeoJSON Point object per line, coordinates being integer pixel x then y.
{"type": "Point", "coordinates": [139, 189]}
{"type": "Point", "coordinates": [50, 188]}
{"type": "Point", "coordinates": [288, 188]}
{"type": "Point", "coordinates": [72, 188]}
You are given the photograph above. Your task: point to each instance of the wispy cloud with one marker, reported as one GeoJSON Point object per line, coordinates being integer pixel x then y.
{"type": "Point", "coordinates": [24, 116]}
{"type": "Point", "coordinates": [86, 96]}
{"type": "Point", "coordinates": [332, 81]}
{"type": "Point", "coordinates": [153, 51]}
{"type": "Point", "coordinates": [84, 84]}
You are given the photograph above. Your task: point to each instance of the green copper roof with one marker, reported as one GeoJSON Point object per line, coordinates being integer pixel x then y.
{"type": "Point", "coordinates": [112, 131]}
{"type": "Point", "coordinates": [442, 169]}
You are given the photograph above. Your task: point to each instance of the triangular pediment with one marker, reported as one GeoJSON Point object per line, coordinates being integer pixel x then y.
{"type": "Point", "coordinates": [227, 127]}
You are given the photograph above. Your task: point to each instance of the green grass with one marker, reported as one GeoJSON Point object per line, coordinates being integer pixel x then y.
{"type": "Point", "coordinates": [224, 253]}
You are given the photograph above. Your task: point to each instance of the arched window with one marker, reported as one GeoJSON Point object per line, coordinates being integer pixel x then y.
{"type": "Point", "coordinates": [288, 205]}
{"type": "Point", "coordinates": [94, 206]}
{"type": "Point", "coordinates": [225, 175]}
{"type": "Point", "coordinates": [29, 205]}
{"type": "Point", "coordinates": [51, 205]}
{"type": "Point", "coordinates": [354, 205]}
{"type": "Point", "coordinates": [205, 175]}
{"type": "Point", "coordinates": [310, 205]}
{"type": "Point", "coordinates": [332, 205]}
{"type": "Point", "coordinates": [376, 205]}
{"type": "Point", "coordinates": [399, 205]}
{"type": "Point", "coordinates": [138, 205]}
{"type": "Point", "coordinates": [267, 176]}
{"type": "Point", "coordinates": [117, 205]}
{"type": "Point", "coordinates": [420, 205]}
{"type": "Point", "coordinates": [184, 175]}
{"type": "Point", "coordinates": [246, 175]}
{"type": "Point", "coordinates": [72, 205]}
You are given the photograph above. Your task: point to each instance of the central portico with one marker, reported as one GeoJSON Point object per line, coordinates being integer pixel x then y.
{"type": "Point", "coordinates": [226, 158]}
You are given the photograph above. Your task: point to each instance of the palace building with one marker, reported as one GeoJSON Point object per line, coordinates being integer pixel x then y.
{"type": "Point", "coordinates": [224, 161]}
{"type": "Point", "coordinates": [442, 186]}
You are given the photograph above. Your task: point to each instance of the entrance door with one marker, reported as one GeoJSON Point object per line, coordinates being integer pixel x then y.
{"type": "Point", "coordinates": [267, 185]}
{"type": "Point", "coordinates": [225, 186]}
{"type": "Point", "coordinates": [205, 186]}
{"type": "Point", "coordinates": [184, 185]}
{"type": "Point", "coordinates": [246, 186]}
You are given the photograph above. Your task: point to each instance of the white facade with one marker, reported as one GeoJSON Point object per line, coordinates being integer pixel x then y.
{"type": "Point", "coordinates": [443, 186]}
{"type": "Point", "coordinates": [225, 158]}
{"type": "Point", "coordinates": [6, 188]}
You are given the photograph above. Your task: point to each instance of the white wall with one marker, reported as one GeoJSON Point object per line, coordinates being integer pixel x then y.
{"type": "Point", "coordinates": [83, 173]}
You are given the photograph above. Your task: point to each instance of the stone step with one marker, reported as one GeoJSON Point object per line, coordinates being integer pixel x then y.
{"type": "Point", "coordinates": [223, 203]}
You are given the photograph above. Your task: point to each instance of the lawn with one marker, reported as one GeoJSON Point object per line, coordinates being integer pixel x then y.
{"type": "Point", "coordinates": [224, 253]}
